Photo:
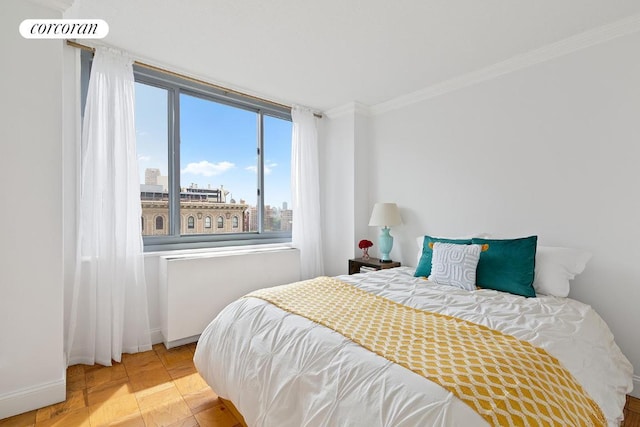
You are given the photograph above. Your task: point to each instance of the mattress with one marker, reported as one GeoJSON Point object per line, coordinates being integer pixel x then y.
{"type": "Point", "coordinates": [285, 370]}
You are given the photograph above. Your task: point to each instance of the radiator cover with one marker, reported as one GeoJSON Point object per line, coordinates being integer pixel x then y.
{"type": "Point", "coordinates": [195, 288]}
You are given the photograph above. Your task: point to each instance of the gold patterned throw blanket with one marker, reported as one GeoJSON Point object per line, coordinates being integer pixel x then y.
{"type": "Point", "coordinates": [507, 381]}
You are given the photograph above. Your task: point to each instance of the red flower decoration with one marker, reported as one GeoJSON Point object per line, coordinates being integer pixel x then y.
{"type": "Point", "coordinates": [365, 244]}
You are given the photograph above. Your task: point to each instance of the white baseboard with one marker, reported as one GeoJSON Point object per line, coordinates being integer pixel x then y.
{"type": "Point", "coordinates": [31, 398]}
{"type": "Point", "coordinates": [183, 341]}
{"type": "Point", "coordinates": [156, 336]}
{"type": "Point", "coordinates": [636, 387]}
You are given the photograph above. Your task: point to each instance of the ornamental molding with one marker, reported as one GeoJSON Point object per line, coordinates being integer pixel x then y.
{"type": "Point", "coordinates": [563, 47]}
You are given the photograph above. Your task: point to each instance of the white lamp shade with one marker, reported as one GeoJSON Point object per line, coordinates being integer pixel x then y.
{"type": "Point", "coordinates": [385, 214]}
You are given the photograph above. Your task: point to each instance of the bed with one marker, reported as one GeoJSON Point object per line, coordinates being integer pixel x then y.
{"type": "Point", "coordinates": [282, 369]}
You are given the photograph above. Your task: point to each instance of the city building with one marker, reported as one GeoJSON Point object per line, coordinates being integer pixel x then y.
{"type": "Point", "coordinates": [203, 210]}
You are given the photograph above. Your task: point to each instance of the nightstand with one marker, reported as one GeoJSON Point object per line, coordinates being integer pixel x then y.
{"type": "Point", "coordinates": [373, 263]}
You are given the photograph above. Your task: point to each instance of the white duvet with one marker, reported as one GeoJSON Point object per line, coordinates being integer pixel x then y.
{"type": "Point", "coordinates": [281, 369]}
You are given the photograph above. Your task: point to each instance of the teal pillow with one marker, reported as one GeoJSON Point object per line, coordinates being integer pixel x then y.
{"type": "Point", "coordinates": [424, 266]}
{"type": "Point", "coordinates": [507, 265]}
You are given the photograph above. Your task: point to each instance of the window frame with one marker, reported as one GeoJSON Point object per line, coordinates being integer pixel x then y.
{"type": "Point", "coordinates": [176, 85]}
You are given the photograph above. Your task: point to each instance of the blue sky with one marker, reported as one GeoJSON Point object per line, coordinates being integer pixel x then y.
{"type": "Point", "coordinates": [218, 146]}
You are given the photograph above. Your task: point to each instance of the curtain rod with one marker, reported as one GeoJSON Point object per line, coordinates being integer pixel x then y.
{"type": "Point", "coordinates": [194, 80]}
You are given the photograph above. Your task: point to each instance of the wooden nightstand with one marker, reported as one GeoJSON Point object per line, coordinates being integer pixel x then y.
{"type": "Point", "coordinates": [355, 264]}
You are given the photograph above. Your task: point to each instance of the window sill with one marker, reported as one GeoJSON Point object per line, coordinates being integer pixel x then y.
{"type": "Point", "coordinates": [219, 251]}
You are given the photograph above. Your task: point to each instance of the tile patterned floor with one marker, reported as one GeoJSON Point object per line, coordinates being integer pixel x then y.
{"type": "Point", "coordinates": [155, 388]}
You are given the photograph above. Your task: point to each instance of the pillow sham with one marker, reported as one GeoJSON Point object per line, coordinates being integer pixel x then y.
{"type": "Point", "coordinates": [507, 265]}
{"type": "Point", "coordinates": [420, 242]}
{"type": "Point", "coordinates": [555, 267]}
{"type": "Point", "coordinates": [455, 265]}
{"type": "Point", "coordinates": [424, 265]}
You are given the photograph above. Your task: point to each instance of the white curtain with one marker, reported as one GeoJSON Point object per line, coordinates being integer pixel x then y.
{"type": "Point", "coordinates": [305, 188]}
{"type": "Point", "coordinates": [108, 313]}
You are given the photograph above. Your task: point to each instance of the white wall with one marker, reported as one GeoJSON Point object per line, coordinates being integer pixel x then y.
{"type": "Point", "coordinates": [32, 371]}
{"type": "Point", "coordinates": [336, 140]}
{"type": "Point", "coordinates": [344, 168]}
{"type": "Point", "coordinates": [551, 150]}
{"type": "Point", "coordinates": [363, 174]}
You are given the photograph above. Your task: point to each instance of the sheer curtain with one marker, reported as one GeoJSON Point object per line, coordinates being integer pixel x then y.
{"type": "Point", "coordinates": [108, 312]}
{"type": "Point", "coordinates": [305, 188]}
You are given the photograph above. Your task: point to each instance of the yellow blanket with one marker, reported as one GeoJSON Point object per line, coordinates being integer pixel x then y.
{"type": "Point", "coordinates": [507, 381]}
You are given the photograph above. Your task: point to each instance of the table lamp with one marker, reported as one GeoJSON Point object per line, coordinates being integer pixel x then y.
{"type": "Point", "coordinates": [385, 215]}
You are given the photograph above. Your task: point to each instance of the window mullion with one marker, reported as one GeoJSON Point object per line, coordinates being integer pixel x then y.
{"type": "Point", "coordinates": [260, 159]}
{"type": "Point", "coordinates": [174, 161]}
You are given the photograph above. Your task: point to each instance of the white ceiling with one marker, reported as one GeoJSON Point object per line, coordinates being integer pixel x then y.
{"type": "Point", "coordinates": [328, 53]}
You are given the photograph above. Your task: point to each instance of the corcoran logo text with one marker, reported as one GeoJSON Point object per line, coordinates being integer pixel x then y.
{"type": "Point", "coordinates": [64, 28]}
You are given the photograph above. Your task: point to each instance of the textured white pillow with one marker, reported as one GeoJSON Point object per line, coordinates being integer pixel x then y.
{"type": "Point", "coordinates": [455, 265]}
{"type": "Point", "coordinates": [555, 266]}
{"type": "Point", "coordinates": [420, 241]}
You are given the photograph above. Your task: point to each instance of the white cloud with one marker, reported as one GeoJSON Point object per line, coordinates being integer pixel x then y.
{"type": "Point", "coordinates": [206, 168]}
{"type": "Point", "coordinates": [268, 168]}
{"type": "Point", "coordinates": [144, 158]}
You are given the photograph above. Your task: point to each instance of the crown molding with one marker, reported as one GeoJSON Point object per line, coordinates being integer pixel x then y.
{"type": "Point", "coordinates": [348, 108]}
{"type": "Point", "coordinates": [57, 5]}
{"type": "Point", "coordinates": [571, 44]}
{"type": "Point", "coordinates": [361, 109]}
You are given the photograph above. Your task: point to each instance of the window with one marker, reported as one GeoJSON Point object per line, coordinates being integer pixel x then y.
{"type": "Point", "coordinates": [152, 104]}
{"type": "Point", "coordinates": [207, 151]}
{"type": "Point", "coordinates": [277, 174]}
{"type": "Point", "coordinates": [210, 153]}
{"type": "Point", "coordinates": [142, 224]}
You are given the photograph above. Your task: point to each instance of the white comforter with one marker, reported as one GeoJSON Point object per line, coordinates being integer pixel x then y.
{"type": "Point", "coordinates": [280, 369]}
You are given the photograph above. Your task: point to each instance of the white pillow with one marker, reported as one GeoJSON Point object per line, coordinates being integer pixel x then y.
{"type": "Point", "coordinates": [555, 266]}
{"type": "Point", "coordinates": [420, 241]}
{"type": "Point", "coordinates": [455, 265]}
